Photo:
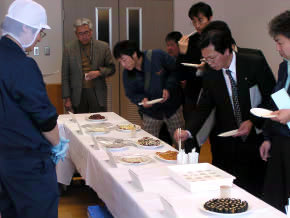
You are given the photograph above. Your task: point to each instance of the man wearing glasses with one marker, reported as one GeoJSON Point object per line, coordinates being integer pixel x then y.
{"type": "Point", "coordinates": [85, 65]}
{"type": "Point", "coordinates": [227, 88]}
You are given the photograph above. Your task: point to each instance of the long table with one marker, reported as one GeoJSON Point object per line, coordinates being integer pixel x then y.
{"type": "Point", "coordinates": [114, 185]}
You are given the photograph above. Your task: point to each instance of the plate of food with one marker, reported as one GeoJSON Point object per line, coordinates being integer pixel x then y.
{"type": "Point", "coordinates": [261, 112]}
{"type": "Point", "coordinates": [149, 143]}
{"type": "Point", "coordinates": [228, 133]}
{"type": "Point", "coordinates": [96, 130]}
{"type": "Point", "coordinates": [226, 207]}
{"type": "Point", "coordinates": [167, 156]}
{"type": "Point", "coordinates": [96, 118]}
{"type": "Point", "coordinates": [134, 159]}
{"type": "Point", "coordinates": [128, 127]}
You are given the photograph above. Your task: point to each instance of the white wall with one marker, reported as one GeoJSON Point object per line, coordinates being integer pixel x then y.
{"type": "Point", "coordinates": [48, 64]}
{"type": "Point", "coordinates": [248, 20]}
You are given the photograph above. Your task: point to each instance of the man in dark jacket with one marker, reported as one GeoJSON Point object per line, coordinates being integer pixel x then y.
{"type": "Point", "coordinates": [147, 76]}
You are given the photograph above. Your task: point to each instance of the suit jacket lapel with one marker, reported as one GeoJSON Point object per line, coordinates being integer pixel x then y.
{"type": "Point", "coordinates": [78, 57]}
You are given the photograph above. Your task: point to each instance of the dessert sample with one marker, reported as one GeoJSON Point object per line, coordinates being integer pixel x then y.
{"type": "Point", "coordinates": [128, 127]}
{"type": "Point", "coordinates": [168, 155]}
{"type": "Point", "coordinates": [226, 205]}
{"type": "Point", "coordinates": [135, 159]}
{"type": "Point", "coordinates": [96, 117]}
{"type": "Point", "coordinates": [147, 141]}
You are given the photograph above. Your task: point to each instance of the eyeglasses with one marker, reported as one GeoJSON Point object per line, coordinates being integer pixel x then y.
{"type": "Point", "coordinates": [42, 34]}
{"type": "Point", "coordinates": [209, 59]}
{"type": "Point", "coordinates": [86, 33]}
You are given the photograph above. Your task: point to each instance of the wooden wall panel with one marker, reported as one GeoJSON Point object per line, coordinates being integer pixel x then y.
{"type": "Point", "coordinates": [54, 94]}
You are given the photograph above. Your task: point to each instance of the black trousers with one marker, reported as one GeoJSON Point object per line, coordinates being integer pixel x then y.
{"type": "Point", "coordinates": [89, 103]}
{"type": "Point", "coordinates": [28, 187]}
{"type": "Point", "coordinates": [277, 182]}
{"type": "Point", "coordinates": [242, 160]}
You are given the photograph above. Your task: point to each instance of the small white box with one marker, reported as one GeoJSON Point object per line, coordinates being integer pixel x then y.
{"type": "Point", "coordinates": [200, 177]}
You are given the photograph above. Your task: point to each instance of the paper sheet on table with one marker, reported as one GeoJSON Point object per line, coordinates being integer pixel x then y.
{"type": "Point", "coordinates": [282, 100]}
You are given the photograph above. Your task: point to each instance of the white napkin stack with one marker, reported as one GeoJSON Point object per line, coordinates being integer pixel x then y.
{"type": "Point", "coordinates": [190, 158]}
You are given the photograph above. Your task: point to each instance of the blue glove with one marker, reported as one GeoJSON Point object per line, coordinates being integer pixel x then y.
{"type": "Point", "coordinates": [59, 151]}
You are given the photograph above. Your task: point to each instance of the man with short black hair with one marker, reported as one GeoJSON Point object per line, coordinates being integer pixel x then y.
{"type": "Point", "coordinates": [171, 40]}
{"type": "Point", "coordinates": [200, 15]}
{"type": "Point", "coordinates": [227, 87]}
{"type": "Point", "coordinates": [147, 76]}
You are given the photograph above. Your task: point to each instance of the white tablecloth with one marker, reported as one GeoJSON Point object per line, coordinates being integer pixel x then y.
{"type": "Point", "coordinates": [114, 185]}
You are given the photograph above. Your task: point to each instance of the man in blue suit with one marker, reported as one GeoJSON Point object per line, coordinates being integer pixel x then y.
{"type": "Point", "coordinates": [276, 147]}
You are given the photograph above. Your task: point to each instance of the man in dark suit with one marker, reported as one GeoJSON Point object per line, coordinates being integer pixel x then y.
{"type": "Point", "coordinates": [227, 87]}
{"type": "Point", "coordinates": [276, 147]}
{"type": "Point", "coordinates": [222, 26]}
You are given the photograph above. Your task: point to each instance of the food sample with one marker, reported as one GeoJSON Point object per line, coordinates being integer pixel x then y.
{"type": "Point", "coordinates": [147, 141]}
{"type": "Point", "coordinates": [96, 129]}
{"type": "Point", "coordinates": [128, 127]}
{"type": "Point", "coordinates": [134, 159]}
{"type": "Point", "coordinates": [226, 205]}
{"type": "Point", "coordinates": [96, 117]}
{"type": "Point", "coordinates": [168, 155]}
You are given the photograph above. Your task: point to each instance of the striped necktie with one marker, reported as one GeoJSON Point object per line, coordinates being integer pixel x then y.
{"type": "Point", "coordinates": [237, 110]}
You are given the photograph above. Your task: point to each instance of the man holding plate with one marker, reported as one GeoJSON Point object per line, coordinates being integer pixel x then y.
{"type": "Point", "coordinates": [227, 87]}
{"type": "Point", "coordinates": [148, 76]}
{"type": "Point", "coordinates": [276, 147]}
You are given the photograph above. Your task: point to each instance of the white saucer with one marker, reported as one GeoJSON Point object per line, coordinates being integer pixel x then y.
{"type": "Point", "coordinates": [261, 112]}
{"type": "Point", "coordinates": [190, 65]}
{"type": "Point", "coordinates": [152, 101]}
{"type": "Point", "coordinates": [228, 133]}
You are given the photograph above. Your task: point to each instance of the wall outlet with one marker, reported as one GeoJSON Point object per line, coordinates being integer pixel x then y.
{"type": "Point", "coordinates": [36, 51]}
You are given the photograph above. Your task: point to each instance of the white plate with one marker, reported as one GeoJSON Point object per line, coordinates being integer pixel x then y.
{"type": "Point", "coordinates": [97, 121]}
{"type": "Point", "coordinates": [117, 148]}
{"type": "Point", "coordinates": [94, 133]}
{"type": "Point", "coordinates": [128, 130]}
{"type": "Point", "coordinates": [165, 160]}
{"type": "Point", "coordinates": [150, 147]}
{"type": "Point", "coordinates": [229, 133]}
{"type": "Point", "coordinates": [152, 101]}
{"type": "Point", "coordinates": [226, 214]}
{"type": "Point", "coordinates": [190, 65]}
{"type": "Point", "coordinates": [261, 112]}
{"type": "Point", "coordinates": [143, 159]}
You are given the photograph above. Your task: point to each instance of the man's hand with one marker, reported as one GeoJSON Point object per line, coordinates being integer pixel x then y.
{"type": "Point", "coordinates": [144, 101]}
{"type": "Point", "coordinates": [245, 128]}
{"type": "Point", "coordinates": [92, 75]}
{"type": "Point", "coordinates": [183, 44]}
{"type": "Point", "coordinates": [183, 135]}
{"type": "Point", "coordinates": [264, 150]}
{"type": "Point", "coordinates": [68, 105]}
{"type": "Point", "coordinates": [282, 116]}
{"type": "Point", "coordinates": [165, 95]}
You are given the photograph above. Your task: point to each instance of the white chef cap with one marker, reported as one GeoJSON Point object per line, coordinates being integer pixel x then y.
{"type": "Point", "coordinates": [24, 20]}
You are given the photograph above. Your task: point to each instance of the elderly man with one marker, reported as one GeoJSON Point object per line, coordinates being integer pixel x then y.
{"type": "Point", "coordinates": [86, 64]}
{"type": "Point", "coordinates": [227, 87]}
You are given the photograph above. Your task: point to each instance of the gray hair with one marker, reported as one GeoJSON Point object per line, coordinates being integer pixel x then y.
{"type": "Point", "coordinates": [81, 22]}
